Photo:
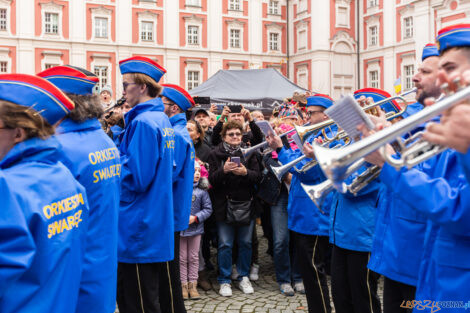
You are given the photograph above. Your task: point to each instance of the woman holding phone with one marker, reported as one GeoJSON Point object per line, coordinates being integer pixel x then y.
{"type": "Point", "coordinates": [233, 179]}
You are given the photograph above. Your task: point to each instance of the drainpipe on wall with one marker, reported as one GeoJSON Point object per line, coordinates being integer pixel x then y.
{"type": "Point", "coordinates": [287, 39]}
{"type": "Point", "coordinates": [358, 46]}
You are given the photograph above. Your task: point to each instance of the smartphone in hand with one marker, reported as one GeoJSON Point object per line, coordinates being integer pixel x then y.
{"type": "Point", "coordinates": [235, 160]}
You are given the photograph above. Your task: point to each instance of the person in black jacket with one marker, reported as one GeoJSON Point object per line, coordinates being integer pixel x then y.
{"type": "Point", "coordinates": [232, 182]}
{"type": "Point", "coordinates": [251, 138]}
{"type": "Point", "coordinates": [196, 132]}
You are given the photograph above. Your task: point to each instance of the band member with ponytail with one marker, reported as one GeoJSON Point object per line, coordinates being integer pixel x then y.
{"type": "Point", "coordinates": [52, 202]}
{"type": "Point", "coordinates": [146, 223]}
{"type": "Point", "coordinates": [94, 160]}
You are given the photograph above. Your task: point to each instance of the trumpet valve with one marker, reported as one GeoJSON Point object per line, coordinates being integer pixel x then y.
{"type": "Point", "coordinates": [458, 83]}
{"type": "Point", "coordinates": [445, 88]}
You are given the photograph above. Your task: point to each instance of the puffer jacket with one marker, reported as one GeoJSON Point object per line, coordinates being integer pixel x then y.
{"type": "Point", "coordinates": [201, 207]}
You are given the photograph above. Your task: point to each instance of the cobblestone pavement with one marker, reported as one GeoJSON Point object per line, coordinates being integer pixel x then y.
{"type": "Point", "coordinates": [267, 297]}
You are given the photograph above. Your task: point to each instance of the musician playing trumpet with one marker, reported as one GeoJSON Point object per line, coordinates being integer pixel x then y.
{"type": "Point", "coordinates": [438, 190]}
{"type": "Point", "coordinates": [308, 225]}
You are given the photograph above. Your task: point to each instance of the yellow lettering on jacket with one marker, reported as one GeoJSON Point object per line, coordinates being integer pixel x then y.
{"type": "Point", "coordinates": [107, 173]}
{"type": "Point", "coordinates": [65, 224]}
{"type": "Point", "coordinates": [168, 132]}
{"type": "Point", "coordinates": [63, 206]}
{"type": "Point", "coordinates": [103, 155]}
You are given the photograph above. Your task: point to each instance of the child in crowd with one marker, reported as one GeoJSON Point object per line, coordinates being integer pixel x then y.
{"type": "Point", "coordinates": [190, 238]}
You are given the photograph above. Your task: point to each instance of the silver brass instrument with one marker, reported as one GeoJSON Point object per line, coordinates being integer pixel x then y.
{"type": "Point", "coordinates": [306, 131]}
{"type": "Point", "coordinates": [334, 163]}
{"type": "Point", "coordinates": [318, 192]}
{"type": "Point", "coordinates": [249, 151]}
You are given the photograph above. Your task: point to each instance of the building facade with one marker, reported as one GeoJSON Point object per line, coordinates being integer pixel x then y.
{"type": "Point", "coordinates": [320, 45]}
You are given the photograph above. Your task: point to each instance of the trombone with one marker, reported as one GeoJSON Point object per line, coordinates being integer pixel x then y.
{"type": "Point", "coordinates": [306, 131]}
{"type": "Point", "coordinates": [335, 163]}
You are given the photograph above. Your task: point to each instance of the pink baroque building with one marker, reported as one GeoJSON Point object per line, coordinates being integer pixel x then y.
{"type": "Point", "coordinates": [329, 46]}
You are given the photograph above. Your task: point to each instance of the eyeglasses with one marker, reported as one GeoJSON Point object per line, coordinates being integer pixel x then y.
{"type": "Point", "coordinates": [310, 113]}
{"type": "Point", "coordinates": [234, 134]}
{"type": "Point", "coordinates": [125, 85]}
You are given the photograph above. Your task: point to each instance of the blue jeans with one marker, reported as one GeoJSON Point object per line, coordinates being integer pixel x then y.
{"type": "Point", "coordinates": [226, 234]}
{"type": "Point", "coordinates": [282, 257]}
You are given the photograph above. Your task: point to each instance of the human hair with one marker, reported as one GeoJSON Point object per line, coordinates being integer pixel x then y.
{"type": "Point", "coordinates": [153, 87]}
{"type": "Point", "coordinates": [465, 50]}
{"type": "Point", "coordinates": [231, 125]}
{"type": "Point", "coordinates": [199, 128]}
{"type": "Point", "coordinates": [86, 107]}
{"type": "Point", "coordinates": [19, 116]}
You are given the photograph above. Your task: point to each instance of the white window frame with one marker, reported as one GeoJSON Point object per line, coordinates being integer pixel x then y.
{"type": "Point", "coordinates": [302, 70]}
{"type": "Point", "coordinates": [5, 57]}
{"type": "Point", "coordinates": [300, 45]}
{"type": "Point", "coordinates": [100, 75]}
{"type": "Point", "coordinates": [235, 5]}
{"type": "Point", "coordinates": [303, 6]}
{"type": "Point", "coordinates": [6, 20]}
{"type": "Point", "coordinates": [273, 7]}
{"type": "Point", "coordinates": [148, 17]}
{"type": "Point", "coordinates": [101, 12]}
{"type": "Point", "coordinates": [191, 38]}
{"type": "Point", "coordinates": [372, 3]}
{"type": "Point", "coordinates": [373, 40]}
{"type": "Point", "coordinates": [50, 24]}
{"type": "Point", "coordinates": [51, 57]}
{"type": "Point", "coordinates": [340, 6]}
{"type": "Point", "coordinates": [147, 35]}
{"type": "Point", "coordinates": [408, 30]}
{"type": "Point", "coordinates": [102, 60]}
{"type": "Point", "coordinates": [373, 83]}
{"type": "Point", "coordinates": [101, 29]}
{"type": "Point", "coordinates": [191, 83]}
{"type": "Point", "coordinates": [231, 31]}
{"type": "Point", "coordinates": [408, 77]}
{"type": "Point", "coordinates": [272, 43]}
{"type": "Point", "coordinates": [193, 3]}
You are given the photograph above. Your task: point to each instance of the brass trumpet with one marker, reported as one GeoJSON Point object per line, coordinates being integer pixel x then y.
{"type": "Point", "coordinates": [335, 163]}
{"type": "Point", "coordinates": [306, 131]}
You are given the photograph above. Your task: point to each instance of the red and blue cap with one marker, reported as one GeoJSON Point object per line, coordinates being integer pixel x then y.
{"type": "Point", "coordinates": [430, 50]}
{"type": "Point", "coordinates": [71, 79]}
{"type": "Point", "coordinates": [143, 65]}
{"type": "Point", "coordinates": [378, 95]}
{"type": "Point", "coordinates": [320, 100]}
{"type": "Point", "coordinates": [453, 36]}
{"type": "Point", "coordinates": [178, 95]}
{"type": "Point", "coordinates": [36, 93]}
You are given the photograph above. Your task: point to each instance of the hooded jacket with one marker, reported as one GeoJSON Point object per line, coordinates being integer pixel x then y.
{"type": "Point", "coordinates": [146, 225]}
{"type": "Point", "coordinates": [201, 207]}
{"type": "Point", "coordinates": [228, 184]}
{"type": "Point", "coordinates": [183, 172]}
{"type": "Point", "coordinates": [55, 207]}
{"type": "Point", "coordinates": [93, 159]}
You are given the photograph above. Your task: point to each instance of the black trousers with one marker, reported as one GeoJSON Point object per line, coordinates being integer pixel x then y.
{"type": "Point", "coordinates": [353, 285]}
{"type": "Point", "coordinates": [394, 295]}
{"type": "Point", "coordinates": [138, 287]}
{"type": "Point", "coordinates": [171, 296]}
{"type": "Point", "coordinates": [311, 251]}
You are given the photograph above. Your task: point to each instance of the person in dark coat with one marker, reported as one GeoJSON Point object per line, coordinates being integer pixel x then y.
{"type": "Point", "coordinates": [232, 180]}
{"type": "Point", "coordinates": [196, 132]}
